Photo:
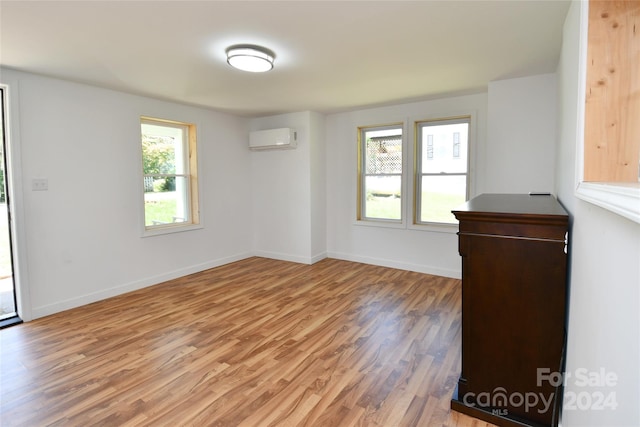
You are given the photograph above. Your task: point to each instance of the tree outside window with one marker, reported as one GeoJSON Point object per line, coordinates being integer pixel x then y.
{"type": "Point", "coordinates": [168, 160]}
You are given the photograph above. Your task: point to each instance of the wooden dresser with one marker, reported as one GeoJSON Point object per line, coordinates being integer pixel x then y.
{"type": "Point", "coordinates": [514, 263]}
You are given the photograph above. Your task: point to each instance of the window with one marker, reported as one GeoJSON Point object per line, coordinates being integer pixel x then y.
{"type": "Point", "coordinates": [380, 173]}
{"type": "Point", "coordinates": [442, 148]}
{"type": "Point", "coordinates": [169, 174]}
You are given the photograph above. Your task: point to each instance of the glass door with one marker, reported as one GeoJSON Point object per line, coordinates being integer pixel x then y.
{"type": "Point", "coordinates": [8, 311]}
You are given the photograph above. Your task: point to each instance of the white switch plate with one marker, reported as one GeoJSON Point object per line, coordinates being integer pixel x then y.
{"type": "Point", "coordinates": [39, 184]}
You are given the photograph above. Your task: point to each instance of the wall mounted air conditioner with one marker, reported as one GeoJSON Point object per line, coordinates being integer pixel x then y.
{"type": "Point", "coordinates": [273, 139]}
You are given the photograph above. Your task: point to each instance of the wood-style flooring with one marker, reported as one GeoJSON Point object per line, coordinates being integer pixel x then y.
{"type": "Point", "coordinates": [254, 343]}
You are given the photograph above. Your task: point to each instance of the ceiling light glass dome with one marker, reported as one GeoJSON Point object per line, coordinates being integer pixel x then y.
{"type": "Point", "coordinates": [255, 59]}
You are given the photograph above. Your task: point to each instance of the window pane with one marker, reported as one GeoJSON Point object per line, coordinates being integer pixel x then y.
{"type": "Point", "coordinates": [383, 151]}
{"type": "Point", "coordinates": [162, 149]}
{"type": "Point", "coordinates": [165, 200]}
{"type": "Point", "coordinates": [444, 148]}
{"type": "Point", "coordinates": [383, 197]}
{"type": "Point", "coordinates": [441, 194]}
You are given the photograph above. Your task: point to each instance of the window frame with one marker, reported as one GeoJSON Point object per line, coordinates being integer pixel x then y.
{"type": "Point", "coordinates": [189, 148]}
{"type": "Point", "coordinates": [418, 173]}
{"type": "Point", "coordinates": [361, 217]}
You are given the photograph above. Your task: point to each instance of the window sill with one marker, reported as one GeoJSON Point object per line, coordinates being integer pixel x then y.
{"type": "Point", "coordinates": [170, 229]}
{"type": "Point", "coordinates": [621, 198]}
{"type": "Point", "coordinates": [380, 223]}
{"type": "Point", "coordinates": [436, 227]}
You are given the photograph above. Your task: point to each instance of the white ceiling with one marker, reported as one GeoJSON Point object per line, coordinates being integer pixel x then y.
{"type": "Point", "coordinates": [330, 56]}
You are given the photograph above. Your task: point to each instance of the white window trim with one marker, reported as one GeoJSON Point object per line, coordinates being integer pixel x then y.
{"type": "Point", "coordinates": [169, 228]}
{"type": "Point", "coordinates": [173, 227]}
{"type": "Point", "coordinates": [435, 227]}
{"type": "Point", "coordinates": [620, 198]}
{"type": "Point", "coordinates": [384, 223]}
{"type": "Point", "coordinates": [616, 197]}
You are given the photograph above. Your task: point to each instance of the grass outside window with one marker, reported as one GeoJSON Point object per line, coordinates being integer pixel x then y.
{"type": "Point", "coordinates": [169, 174]}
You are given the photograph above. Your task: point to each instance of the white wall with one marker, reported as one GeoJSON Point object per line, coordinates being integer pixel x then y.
{"type": "Point", "coordinates": [604, 320]}
{"type": "Point", "coordinates": [434, 252]}
{"type": "Point", "coordinates": [318, 187]}
{"type": "Point", "coordinates": [512, 151]}
{"type": "Point", "coordinates": [82, 238]}
{"type": "Point", "coordinates": [521, 134]}
{"type": "Point", "coordinates": [288, 191]}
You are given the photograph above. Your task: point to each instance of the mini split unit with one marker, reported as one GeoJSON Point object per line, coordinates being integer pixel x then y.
{"type": "Point", "coordinates": [273, 139]}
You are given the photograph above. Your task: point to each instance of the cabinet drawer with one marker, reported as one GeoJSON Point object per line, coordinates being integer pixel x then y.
{"type": "Point", "coordinates": [543, 230]}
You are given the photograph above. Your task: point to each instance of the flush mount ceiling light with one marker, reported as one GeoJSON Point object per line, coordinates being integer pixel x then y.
{"type": "Point", "coordinates": [246, 57]}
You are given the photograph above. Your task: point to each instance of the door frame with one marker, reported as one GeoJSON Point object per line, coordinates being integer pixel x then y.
{"type": "Point", "coordinates": [10, 91]}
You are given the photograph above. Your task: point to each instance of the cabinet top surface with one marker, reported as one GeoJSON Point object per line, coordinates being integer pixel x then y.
{"type": "Point", "coordinates": [512, 204]}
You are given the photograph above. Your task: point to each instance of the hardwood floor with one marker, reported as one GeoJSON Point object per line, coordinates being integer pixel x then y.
{"type": "Point", "coordinates": [254, 343]}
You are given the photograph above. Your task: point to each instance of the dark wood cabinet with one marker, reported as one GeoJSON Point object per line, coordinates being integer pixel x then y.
{"type": "Point", "coordinates": [514, 262]}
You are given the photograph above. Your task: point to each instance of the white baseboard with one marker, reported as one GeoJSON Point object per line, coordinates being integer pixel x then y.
{"type": "Point", "coordinates": [132, 286]}
{"type": "Point", "coordinates": [420, 268]}
{"type": "Point", "coordinates": [291, 258]}
{"type": "Point", "coordinates": [154, 280]}
{"type": "Point", "coordinates": [318, 257]}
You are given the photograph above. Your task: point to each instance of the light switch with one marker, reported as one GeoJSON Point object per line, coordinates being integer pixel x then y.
{"type": "Point", "coordinates": [39, 184]}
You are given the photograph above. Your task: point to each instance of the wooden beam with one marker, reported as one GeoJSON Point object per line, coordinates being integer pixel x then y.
{"type": "Point", "coordinates": [612, 110]}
